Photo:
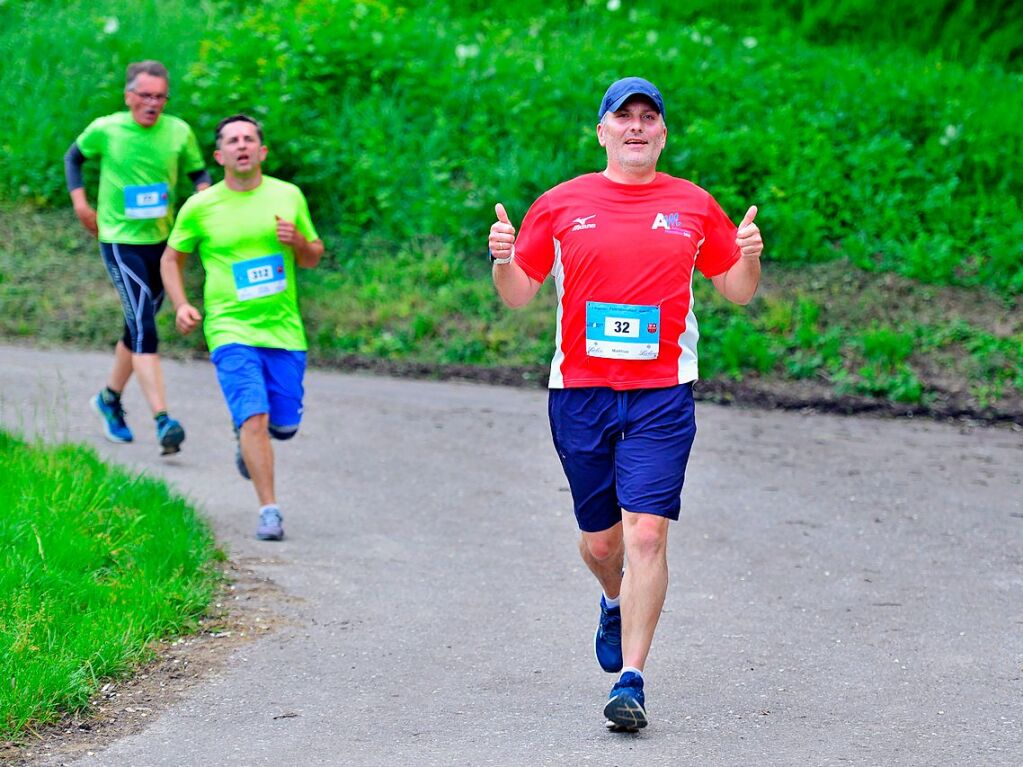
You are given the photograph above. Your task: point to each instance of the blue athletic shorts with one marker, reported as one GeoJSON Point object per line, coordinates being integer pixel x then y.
{"type": "Point", "coordinates": [135, 272]}
{"type": "Point", "coordinates": [623, 450]}
{"type": "Point", "coordinates": [257, 380]}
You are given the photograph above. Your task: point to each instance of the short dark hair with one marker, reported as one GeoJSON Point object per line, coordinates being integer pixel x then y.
{"type": "Point", "coordinates": [147, 67]}
{"type": "Point", "coordinates": [238, 118]}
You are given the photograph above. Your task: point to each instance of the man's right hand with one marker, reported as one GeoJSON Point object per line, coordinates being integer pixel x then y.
{"type": "Point", "coordinates": [502, 234]}
{"type": "Point", "coordinates": [187, 318]}
{"type": "Point", "coordinates": [87, 215]}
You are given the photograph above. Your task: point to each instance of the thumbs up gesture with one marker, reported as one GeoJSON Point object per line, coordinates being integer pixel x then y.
{"type": "Point", "coordinates": [747, 236]}
{"type": "Point", "coordinates": [502, 234]}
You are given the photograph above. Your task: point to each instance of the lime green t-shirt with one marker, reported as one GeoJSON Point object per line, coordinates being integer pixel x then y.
{"type": "Point", "coordinates": [139, 170]}
{"type": "Point", "coordinates": [250, 295]}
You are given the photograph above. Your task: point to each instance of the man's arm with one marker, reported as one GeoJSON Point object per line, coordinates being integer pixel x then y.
{"type": "Point", "coordinates": [307, 253]}
{"type": "Point", "coordinates": [514, 286]}
{"type": "Point", "coordinates": [73, 160]}
{"type": "Point", "coordinates": [739, 283]}
{"type": "Point", "coordinates": [186, 316]}
{"type": "Point", "coordinates": [200, 179]}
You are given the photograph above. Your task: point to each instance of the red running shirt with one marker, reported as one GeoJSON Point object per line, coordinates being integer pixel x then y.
{"type": "Point", "coordinates": [625, 244]}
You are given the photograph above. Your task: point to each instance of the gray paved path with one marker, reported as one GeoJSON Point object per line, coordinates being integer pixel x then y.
{"type": "Point", "coordinates": [844, 592]}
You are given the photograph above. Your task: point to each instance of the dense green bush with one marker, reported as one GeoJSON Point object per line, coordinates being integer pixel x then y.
{"type": "Point", "coordinates": [401, 121]}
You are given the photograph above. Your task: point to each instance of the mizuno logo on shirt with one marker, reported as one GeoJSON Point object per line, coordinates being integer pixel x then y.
{"type": "Point", "coordinates": [583, 223]}
{"type": "Point", "coordinates": [671, 223]}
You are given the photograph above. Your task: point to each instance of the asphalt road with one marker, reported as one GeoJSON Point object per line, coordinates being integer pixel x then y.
{"type": "Point", "coordinates": [844, 592]}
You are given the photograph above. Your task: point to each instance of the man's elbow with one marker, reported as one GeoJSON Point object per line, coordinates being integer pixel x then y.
{"type": "Point", "coordinates": [312, 256]}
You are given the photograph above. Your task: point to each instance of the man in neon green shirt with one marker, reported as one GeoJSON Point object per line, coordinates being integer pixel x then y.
{"type": "Point", "coordinates": [142, 152]}
{"type": "Point", "coordinates": [251, 231]}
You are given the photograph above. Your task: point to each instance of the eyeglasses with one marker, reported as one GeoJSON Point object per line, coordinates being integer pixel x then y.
{"type": "Point", "coordinates": [156, 98]}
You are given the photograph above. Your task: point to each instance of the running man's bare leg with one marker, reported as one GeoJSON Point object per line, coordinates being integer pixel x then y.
{"type": "Point", "coordinates": [121, 371]}
{"type": "Point", "coordinates": [604, 554]}
{"type": "Point", "coordinates": [149, 374]}
{"type": "Point", "coordinates": [645, 583]}
{"type": "Point", "coordinates": [258, 455]}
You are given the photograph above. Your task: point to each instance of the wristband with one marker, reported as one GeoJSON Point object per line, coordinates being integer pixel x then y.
{"type": "Point", "coordinates": [495, 260]}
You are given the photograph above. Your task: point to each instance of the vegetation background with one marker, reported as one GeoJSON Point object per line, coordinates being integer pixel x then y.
{"type": "Point", "coordinates": [882, 144]}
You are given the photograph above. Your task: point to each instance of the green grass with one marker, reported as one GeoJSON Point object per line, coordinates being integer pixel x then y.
{"type": "Point", "coordinates": [888, 167]}
{"type": "Point", "coordinates": [851, 330]}
{"type": "Point", "coordinates": [96, 564]}
{"type": "Point", "coordinates": [409, 121]}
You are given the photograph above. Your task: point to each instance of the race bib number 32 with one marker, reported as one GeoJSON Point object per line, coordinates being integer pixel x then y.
{"type": "Point", "coordinates": [259, 277]}
{"type": "Point", "coordinates": [150, 201]}
{"type": "Point", "coordinates": [622, 331]}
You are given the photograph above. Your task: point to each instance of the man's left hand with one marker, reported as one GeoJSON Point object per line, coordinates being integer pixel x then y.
{"type": "Point", "coordinates": [288, 234]}
{"type": "Point", "coordinates": [747, 236]}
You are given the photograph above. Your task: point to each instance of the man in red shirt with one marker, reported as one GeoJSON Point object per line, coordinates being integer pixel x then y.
{"type": "Point", "coordinates": [622, 247]}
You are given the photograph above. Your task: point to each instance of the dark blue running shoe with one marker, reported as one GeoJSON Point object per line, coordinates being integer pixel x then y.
{"type": "Point", "coordinates": [607, 642]}
{"type": "Point", "coordinates": [624, 709]}
{"type": "Point", "coordinates": [170, 435]}
{"type": "Point", "coordinates": [114, 427]}
{"type": "Point", "coordinates": [271, 526]}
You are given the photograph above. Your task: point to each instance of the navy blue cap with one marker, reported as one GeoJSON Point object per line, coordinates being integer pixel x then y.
{"type": "Point", "coordinates": [619, 92]}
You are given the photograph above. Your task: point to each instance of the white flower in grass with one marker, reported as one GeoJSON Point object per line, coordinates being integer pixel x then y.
{"type": "Point", "coordinates": [614, 5]}
{"type": "Point", "coordinates": [465, 52]}
{"type": "Point", "coordinates": [749, 42]}
{"type": "Point", "coordinates": [651, 36]}
{"type": "Point", "coordinates": [111, 26]}
{"type": "Point", "coordinates": [950, 134]}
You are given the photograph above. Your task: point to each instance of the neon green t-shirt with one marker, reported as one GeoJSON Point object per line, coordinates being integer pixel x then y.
{"type": "Point", "coordinates": [139, 170]}
{"type": "Point", "coordinates": [249, 295]}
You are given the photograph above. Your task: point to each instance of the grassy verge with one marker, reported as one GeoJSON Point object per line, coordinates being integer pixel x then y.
{"type": "Point", "coordinates": [96, 564]}
{"type": "Point", "coordinates": [847, 331]}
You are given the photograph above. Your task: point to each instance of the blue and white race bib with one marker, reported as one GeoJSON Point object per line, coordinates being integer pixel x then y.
{"type": "Point", "coordinates": [150, 201]}
{"type": "Point", "coordinates": [622, 331]}
{"type": "Point", "coordinates": [259, 277]}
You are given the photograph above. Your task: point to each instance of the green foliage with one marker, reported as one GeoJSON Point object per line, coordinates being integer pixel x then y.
{"type": "Point", "coordinates": [96, 564]}
{"type": "Point", "coordinates": [406, 121]}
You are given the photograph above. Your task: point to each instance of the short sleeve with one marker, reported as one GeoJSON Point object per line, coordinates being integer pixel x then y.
{"type": "Point", "coordinates": [534, 245]}
{"type": "Point", "coordinates": [303, 221]}
{"type": "Point", "coordinates": [184, 237]}
{"type": "Point", "coordinates": [92, 140]}
{"type": "Point", "coordinates": [191, 157]}
{"type": "Point", "coordinates": [719, 251]}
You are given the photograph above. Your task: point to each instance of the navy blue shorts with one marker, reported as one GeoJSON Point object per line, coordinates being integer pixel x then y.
{"type": "Point", "coordinates": [257, 380]}
{"type": "Point", "coordinates": [135, 272]}
{"type": "Point", "coordinates": [623, 450]}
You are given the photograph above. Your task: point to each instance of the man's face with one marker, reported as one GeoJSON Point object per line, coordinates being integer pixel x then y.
{"type": "Point", "coordinates": [146, 99]}
{"type": "Point", "coordinates": [240, 152]}
{"type": "Point", "coordinates": [633, 136]}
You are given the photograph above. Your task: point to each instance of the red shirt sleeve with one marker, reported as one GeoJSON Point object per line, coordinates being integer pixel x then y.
{"type": "Point", "coordinates": [719, 251]}
{"type": "Point", "coordinates": [534, 245]}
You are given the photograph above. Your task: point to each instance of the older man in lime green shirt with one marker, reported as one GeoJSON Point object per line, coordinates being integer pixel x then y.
{"type": "Point", "coordinates": [142, 153]}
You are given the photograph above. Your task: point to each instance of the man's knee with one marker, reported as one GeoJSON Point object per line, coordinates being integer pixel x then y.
{"type": "Point", "coordinates": [605, 544]}
{"type": "Point", "coordinates": [255, 423]}
{"type": "Point", "coordinates": [283, 432]}
{"type": "Point", "coordinates": [646, 535]}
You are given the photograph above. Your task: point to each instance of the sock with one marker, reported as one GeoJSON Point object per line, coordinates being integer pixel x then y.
{"type": "Point", "coordinates": [611, 603]}
{"type": "Point", "coordinates": [633, 669]}
{"type": "Point", "coordinates": [161, 417]}
{"type": "Point", "coordinates": [109, 395]}
{"type": "Point", "coordinates": [269, 506]}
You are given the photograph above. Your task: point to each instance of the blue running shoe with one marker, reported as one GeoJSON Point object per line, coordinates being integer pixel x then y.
{"type": "Point", "coordinates": [270, 525]}
{"type": "Point", "coordinates": [624, 709]}
{"type": "Point", "coordinates": [607, 642]}
{"type": "Point", "coordinates": [239, 461]}
{"type": "Point", "coordinates": [170, 435]}
{"type": "Point", "coordinates": [114, 427]}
